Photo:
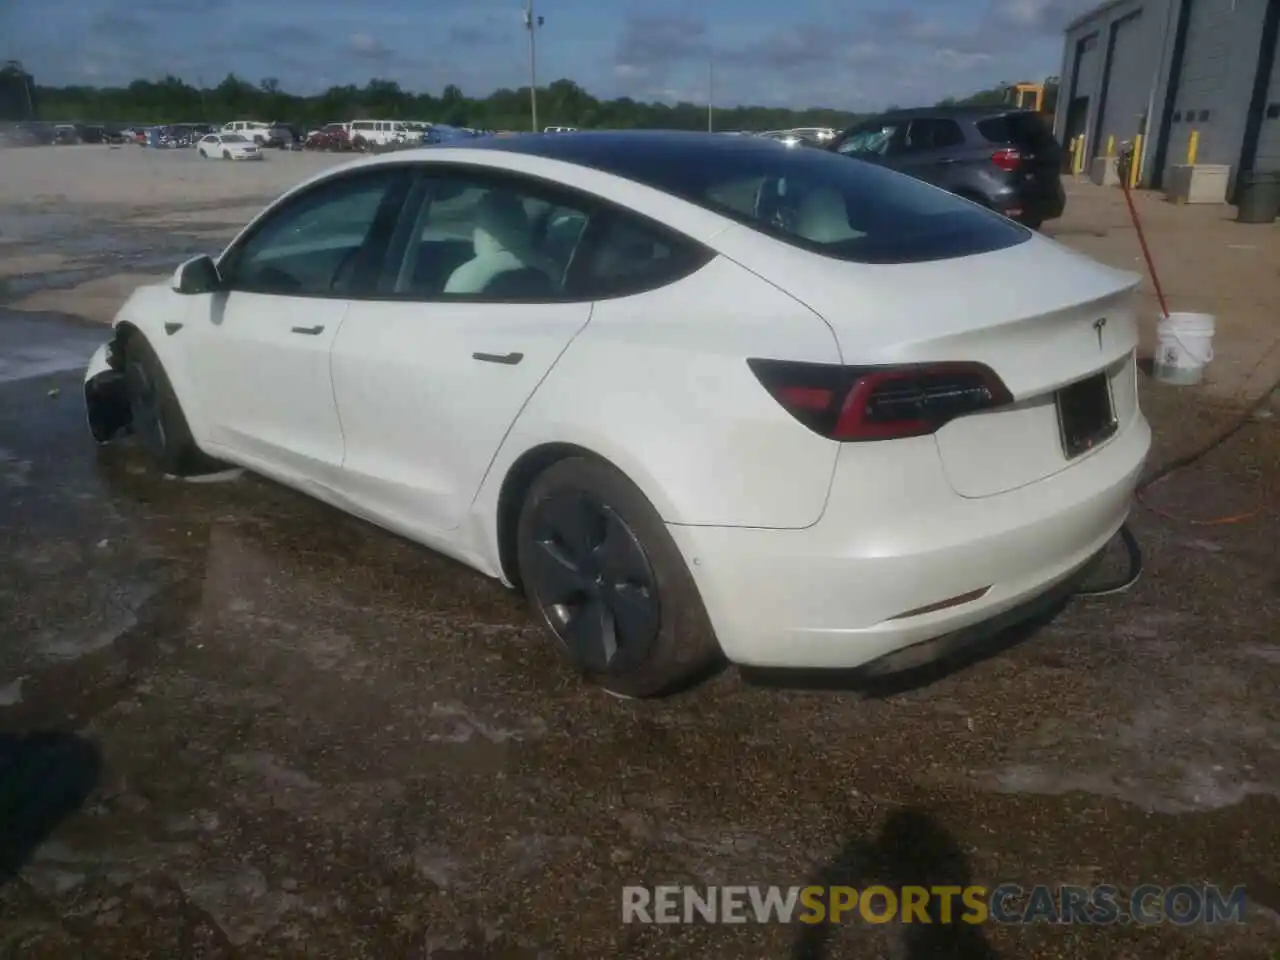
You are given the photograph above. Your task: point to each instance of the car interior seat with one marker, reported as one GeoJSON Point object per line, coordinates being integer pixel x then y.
{"type": "Point", "coordinates": [501, 243]}
{"type": "Point", "coordinates": [822, 217]}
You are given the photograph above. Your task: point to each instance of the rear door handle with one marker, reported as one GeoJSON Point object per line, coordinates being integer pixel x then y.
{"type": "Point", "coordinates": [510, 359]}
{"type": "Point", "coordinates": [310, 331]}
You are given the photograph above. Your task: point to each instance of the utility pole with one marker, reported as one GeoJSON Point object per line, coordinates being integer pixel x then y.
{"type": "Point", "coordinates": [532, 23]}
{"type": "Point", "coordinates": [711, 91]}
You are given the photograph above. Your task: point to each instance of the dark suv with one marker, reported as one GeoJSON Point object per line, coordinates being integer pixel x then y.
{"type": "Point", "coordinates": [1002, 158]}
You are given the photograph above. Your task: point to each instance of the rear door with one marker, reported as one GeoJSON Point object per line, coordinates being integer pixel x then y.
{"type": "Point", "coordinates": [429, 382]}
{"type": "Point", "coordinates": [933, 150]}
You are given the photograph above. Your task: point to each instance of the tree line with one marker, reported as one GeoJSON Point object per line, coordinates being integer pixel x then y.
{"type": "Point", "coordinates": [561, 103]}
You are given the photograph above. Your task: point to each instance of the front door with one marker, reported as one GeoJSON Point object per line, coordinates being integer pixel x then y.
{"type": "Point", "coordinates": [259, 347]}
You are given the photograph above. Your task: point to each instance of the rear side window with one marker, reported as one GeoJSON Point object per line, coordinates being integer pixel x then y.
{"type": "Point", "coordinates": [624, 256]}
{"type": "Point", "coordinates": [934, 134]}
{"type": "Point", "coordinates": [1026, 130]}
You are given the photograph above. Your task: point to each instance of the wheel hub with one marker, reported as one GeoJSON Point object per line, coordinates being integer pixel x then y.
{"type": "Point", "coordinates": [592, 582]}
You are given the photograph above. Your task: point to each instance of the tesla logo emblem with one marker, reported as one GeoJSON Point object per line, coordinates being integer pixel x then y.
{"type": "Point", "coordinates": [1097, 328]}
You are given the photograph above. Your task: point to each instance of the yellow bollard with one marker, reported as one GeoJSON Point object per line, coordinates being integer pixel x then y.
{"type": "Point", "coordinates": [1193, 147]}
{"type": "Point", "coordinates": [1111, 147]}
{"type": "Point", "coordinates": [1079, 168]}
{"type": "Point", "coordinates": [1135, 164]}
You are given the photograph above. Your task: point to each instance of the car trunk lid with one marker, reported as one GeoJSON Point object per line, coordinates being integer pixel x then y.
{"type": "Point", "coordinates": [1043, 317]}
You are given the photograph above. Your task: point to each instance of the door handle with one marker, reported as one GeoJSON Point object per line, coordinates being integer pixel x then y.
{"type": "Point", "coordinates": [310, 331]}
{"type": "Point", "coordinates": [510, 359]}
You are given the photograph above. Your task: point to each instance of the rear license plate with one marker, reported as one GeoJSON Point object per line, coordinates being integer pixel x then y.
{"type": "Point", "coordinates": [1086, 415]}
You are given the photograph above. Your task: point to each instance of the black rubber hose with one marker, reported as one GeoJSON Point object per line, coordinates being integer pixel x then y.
{"type": "Point", "coordinates": [1130, 578]}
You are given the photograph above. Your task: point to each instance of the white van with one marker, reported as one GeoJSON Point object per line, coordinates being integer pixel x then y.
{"type": "Point", "coordinates": [378, 132]}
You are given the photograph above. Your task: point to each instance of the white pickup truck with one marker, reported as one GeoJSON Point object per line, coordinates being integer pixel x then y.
{"type": "Point", "coordinates": [263, 134]}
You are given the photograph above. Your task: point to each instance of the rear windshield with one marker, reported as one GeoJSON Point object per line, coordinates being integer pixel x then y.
{"type": "Point", "coordinates": [1027, 130]}
{"type": "Point", "coordinates": [833, 205]}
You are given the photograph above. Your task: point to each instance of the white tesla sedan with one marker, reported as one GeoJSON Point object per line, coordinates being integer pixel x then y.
{"type": "Point", "coordinates": [692, 394]}
{"type": "Point", "coordinates": [228, 146]}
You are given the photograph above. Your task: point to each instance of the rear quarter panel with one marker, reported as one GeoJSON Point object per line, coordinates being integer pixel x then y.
{"type": "Point", "coordinates": [658, 384]}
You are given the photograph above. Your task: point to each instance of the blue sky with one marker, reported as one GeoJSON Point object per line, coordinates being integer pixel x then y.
{"type": "Point", "coordinates": [850, 54]}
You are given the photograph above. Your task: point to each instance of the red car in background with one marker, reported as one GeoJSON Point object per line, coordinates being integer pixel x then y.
{"type": "Point", "coordinates": [332, 136]}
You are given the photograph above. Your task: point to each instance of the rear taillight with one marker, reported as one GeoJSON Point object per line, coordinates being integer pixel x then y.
{"type": "Point", "coordinates": [882, 402]}
{"type": "Point", "coordinates": [1007, 159]}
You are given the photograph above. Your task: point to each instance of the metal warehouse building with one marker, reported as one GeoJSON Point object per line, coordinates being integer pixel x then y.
{"type": "Point", "coordinates": [1163, 68]}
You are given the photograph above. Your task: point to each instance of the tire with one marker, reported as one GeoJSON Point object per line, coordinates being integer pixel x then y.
{"type": "Point", "coordinates": [156, 415]}
{"type": "Point", "coordinates": [575, 508]}
{"type": "Point", "coordinates": [226, 154]}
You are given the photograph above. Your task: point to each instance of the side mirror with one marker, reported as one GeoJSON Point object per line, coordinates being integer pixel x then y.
{"type": "Point", "coordinates": [197, 275]}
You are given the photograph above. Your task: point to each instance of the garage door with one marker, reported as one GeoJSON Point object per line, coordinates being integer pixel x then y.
{"type": "Point", "coordinates": [1082, 102]}
{"type": "Point", "coordinates": [1268, 156]}
{"type": "Point", "coordinates": [1128, 93]}
{"type": "Point", "coordinates": [1200, 102]}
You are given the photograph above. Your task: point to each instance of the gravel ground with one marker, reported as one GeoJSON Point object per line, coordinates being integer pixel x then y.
{"type": "Point", "coordinates": [235, 723]}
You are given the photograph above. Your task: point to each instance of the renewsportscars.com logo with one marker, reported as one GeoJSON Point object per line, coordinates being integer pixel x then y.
{"type": "Point", "coordinates": [1005, 904]}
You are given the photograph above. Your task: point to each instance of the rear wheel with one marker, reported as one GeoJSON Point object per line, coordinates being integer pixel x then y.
{"type": "Point", "coordinates": [156, 416]}
{"type": "Point", "coordinates": [604, 575]}
{"type": "Point", "coordinates": [226, 154]}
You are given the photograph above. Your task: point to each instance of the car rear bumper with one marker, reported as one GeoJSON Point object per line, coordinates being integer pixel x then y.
{"type": "Point", "coordinates": [1034, 203]}
{"type": "Point", "coordinates": [912, 563]}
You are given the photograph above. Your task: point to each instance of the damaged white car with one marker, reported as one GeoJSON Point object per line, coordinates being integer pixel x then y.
{"type": "Point", "coordinates": [694, 395]}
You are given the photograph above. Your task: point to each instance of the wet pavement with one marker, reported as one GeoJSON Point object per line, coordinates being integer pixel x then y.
{"type": "Point", "coordinates": [272, 730]}
{"type": "Point", "coordinates": [236, 723]}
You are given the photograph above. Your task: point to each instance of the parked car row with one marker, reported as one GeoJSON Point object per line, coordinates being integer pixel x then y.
{"type": "Point", "coordinates": [378, 135]}
{"type": "Point", "coordinates": [36, 134]}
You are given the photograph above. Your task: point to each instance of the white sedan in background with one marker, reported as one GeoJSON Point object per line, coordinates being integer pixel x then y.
{"type": "Point", "coordinates": [694, 395]}
{"type": "Point", "coordinates": [228, 146]}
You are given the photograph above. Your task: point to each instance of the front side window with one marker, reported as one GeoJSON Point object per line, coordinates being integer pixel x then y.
{"type": "Point", "coordinates": [318, 242]}
{"type": "Point", "coordinates": [475, 236]}
{"type": "Point", "coordinates": [872, 139]}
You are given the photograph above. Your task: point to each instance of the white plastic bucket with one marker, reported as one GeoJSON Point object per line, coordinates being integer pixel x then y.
{"type": "Point", "coordinates": [1184, 348]}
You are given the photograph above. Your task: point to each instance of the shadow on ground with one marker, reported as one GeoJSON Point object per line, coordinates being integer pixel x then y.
{"type": "Point", "coordinates": [44, 778]}
{"type": "Point", "coordinates": [911, 850]}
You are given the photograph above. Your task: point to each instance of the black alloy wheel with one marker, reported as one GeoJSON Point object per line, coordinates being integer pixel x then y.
{"type": "Point", "coordinates": [592, 582]}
